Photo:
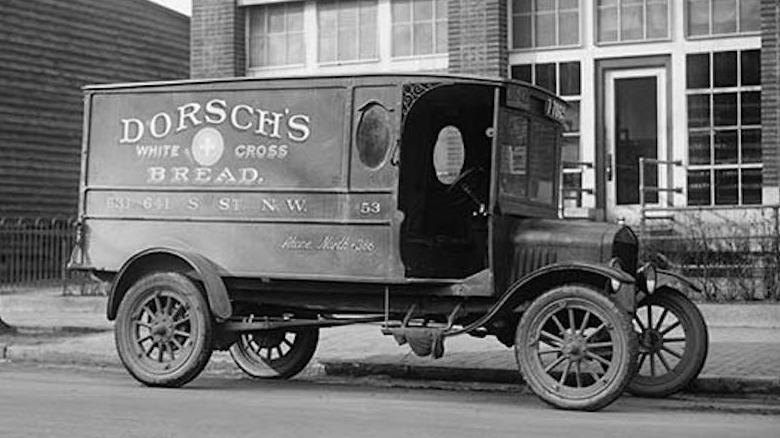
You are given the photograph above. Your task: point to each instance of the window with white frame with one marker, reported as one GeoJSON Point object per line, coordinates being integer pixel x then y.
{"type": "Point", "coordinates": [545, 23]}
{"type": "Point", "coordinates": [347, 30]}
{"type": "Point", "coordinates": [276, 35]}
{"type": "Point", "coordinates": [724, 127]}
{"type": "Point", "coordinates": [722, 17]}
{"type": "Point", "coordinates": [419, 27]}
{"type": "Point", "coordinates": [632, 20]}
{"type": "Point", "coordinates": [563, 79]}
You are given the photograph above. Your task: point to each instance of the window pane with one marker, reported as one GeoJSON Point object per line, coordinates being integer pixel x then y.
{"type": "Point", "coordinates": [570, 78]}
{"type": "Point", "coordinates": [257, 18]}
{"type": "Point", "coordinates": [521, 6]}
{"type": "Point", "coordinates": [441, 37]}
{"type": "Point", "coordinates": [423, 10]}
{"type": "Point", "coordinates": [750, 15]}
{"type": "Point", "coordinates": [570, 152]}
{"type": "Point", "coordinates": [698, 17]}
{"type": "Point", "coordinates": [348, 44]}
{"type": "Point", "coordinates": [521, 32]}
{"type": "Point", "coordinates": [276, 18]}
{"type": "Point", "coordinates": [698, 110]}
{"type": "Point", "coordinates": [294, 17]}
{"type": "Point", "coordinates": [402, 40]}
{"type": "Point", "coordinates": [725, 147]}
{"type": "Point", "coordinates": [277, 55]}
{"type": "Point", "coordinates": [608, 24]}
{"type": "Point", "coordinates": [751, 186]}
{"type": "Point", "coordinates": [751, 108]}
{"type": "Point", "coordinates": [545, 30]}
{"type": "Point", "coordinates": [568, 4]}
{"type": "Point", "coordinates": [699, 187]}
{"type": "Point", "coordinates": [572, 122]}
{"type": "Point", "coordinates": [724, 14]}
{"type": "Point", "coordinates": [726, 181]}
{"type": "Point", "coordinates": [751, 67]}
{"type": "Point", "coordinates": [545, 5]}
{"type": "Point", "coordinates": [545, 76]}
{"type": "Point", "coordinates": [725, 69]}
{"type": "Point", "coordinates": [296, 50]}
{"type": "Point", "coordinates": [327, 48]}
{"type": "Point", "coordinates": [401, 11]}
{"type": "Point", "coordinates": [423, 38]}
{"type": "Point", "coordinates": [631, 22]}
{"type": "Point", "coordinates": [522, 72]}
{"type": "Point", "coordinates": [698, 70]}
{"type": "Point", "coordinates": [657, 21]}
{"type": "Point", "coordinates": [257, 53]}
{"type": "Point", "coordinates": [367, 41]}
{"type": "Point", "coordinates": [699, 148]}
{"type": "Point", "coordinates": [569, 28]}
{"type": "Point", "coordinates": [441, 9]}
{"type": "Point", "coordinates": [751, 146]}
{"type": "Point", "coordinates": [725, 109]}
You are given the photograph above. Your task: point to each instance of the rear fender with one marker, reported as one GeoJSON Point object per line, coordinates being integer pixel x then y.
{"type": "Point", "coordinates": [165, 259]}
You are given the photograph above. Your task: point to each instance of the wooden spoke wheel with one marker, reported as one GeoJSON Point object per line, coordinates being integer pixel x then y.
{"type": "Point", "coordinates": [576, 348]}
{"type": "Point", "coordinates": [275, 354]}
{"type": "Point", "coordinates": [164, 330]}
{"type": "Point", "coordinates": [673, 343]}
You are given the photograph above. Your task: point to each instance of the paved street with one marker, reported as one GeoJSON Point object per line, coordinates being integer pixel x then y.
{"type": "Point", "coordinates": [65, 402]}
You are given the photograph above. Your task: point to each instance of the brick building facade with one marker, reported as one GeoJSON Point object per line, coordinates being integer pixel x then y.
{"type": "Point", "coordinates": [665, 79]}
{"type": "Point", "coordinates": [49, 49]}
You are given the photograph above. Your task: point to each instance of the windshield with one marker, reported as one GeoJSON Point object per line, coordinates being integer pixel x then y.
{"type": "Point", "coordinates": [528, 148]}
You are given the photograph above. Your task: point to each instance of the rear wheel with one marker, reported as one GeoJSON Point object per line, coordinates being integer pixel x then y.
{"type": "Point", "coordinates": [673, 344]}
{"type": "Point", "coordinates": [164, 330]}
{"type": "Point", "coordinates": [576, 348]}
{"type": "Point", "coordinates": [275, 354]}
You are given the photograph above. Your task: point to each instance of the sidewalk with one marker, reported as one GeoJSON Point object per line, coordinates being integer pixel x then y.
{"type": "Point", "coordinates": [744, 353]}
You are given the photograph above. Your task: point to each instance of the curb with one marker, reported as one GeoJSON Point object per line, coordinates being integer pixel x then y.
{"type": "Point", "coordinates": [735, 385]}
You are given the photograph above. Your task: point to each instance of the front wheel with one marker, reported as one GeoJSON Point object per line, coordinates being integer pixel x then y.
{"type": "Point", "coordinates": [275, 354]}
{"type": "Point", "coordinates": [673, 343]}
{"type": "Point", "coordinates": [164, 330]}
{"type": "Point", "coordinates": [576, 348]}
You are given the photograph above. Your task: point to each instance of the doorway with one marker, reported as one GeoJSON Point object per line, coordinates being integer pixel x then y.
{"type": "Point", "coordinates": [635, 120]}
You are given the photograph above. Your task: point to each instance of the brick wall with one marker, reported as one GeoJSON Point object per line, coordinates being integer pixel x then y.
{"type": "Point", "coordinates": [49, 49]}
{"type": "Point", "coordinates": [217, 39]}
{"type": "Point", "coordinates": [478, 37]}
{"type": "Point", "coordinates": [770, 90]}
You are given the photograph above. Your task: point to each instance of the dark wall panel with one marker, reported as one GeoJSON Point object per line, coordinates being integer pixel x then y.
{"type": "Point", "coordinates": [49, 49]}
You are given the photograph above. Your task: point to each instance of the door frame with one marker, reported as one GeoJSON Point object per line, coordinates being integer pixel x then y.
{"type": "Point", "coordinates": [602, 68]}
{"type": "Point", "coordinates": [630, 213]}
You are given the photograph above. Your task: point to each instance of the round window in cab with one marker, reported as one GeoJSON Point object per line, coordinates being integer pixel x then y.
{"type": "Point", "coordinates": [373, 135]}
{"type": "Point", "coordinates": [448, 154]}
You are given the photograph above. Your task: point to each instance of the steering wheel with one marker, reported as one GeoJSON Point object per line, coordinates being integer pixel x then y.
{"type": "Point", "coordinates": [463, 184]}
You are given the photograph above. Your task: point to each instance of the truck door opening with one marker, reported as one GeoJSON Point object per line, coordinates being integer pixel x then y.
{"type": "Point", "coordinates": [444, 182]}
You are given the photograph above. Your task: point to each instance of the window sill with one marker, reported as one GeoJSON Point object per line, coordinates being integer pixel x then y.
{"type": "Point", "coordinates": [349, 62]}
{"type": "Point", "coordinates": [666, 39]}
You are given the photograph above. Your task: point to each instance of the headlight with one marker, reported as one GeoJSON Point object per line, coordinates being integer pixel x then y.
{"type": "Point", "coordinates": [649, 276]}
{"type": "Point", "coordinates": [614, 263]}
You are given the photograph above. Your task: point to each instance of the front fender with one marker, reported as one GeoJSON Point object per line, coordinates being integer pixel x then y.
{"type": "Point", "coordinates": [543, 279]}
{"type": "Point", "coordinates": [675, 280]}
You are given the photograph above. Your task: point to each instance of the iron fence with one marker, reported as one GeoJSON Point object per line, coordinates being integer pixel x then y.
{"type": "Point", "coordinates": [34, 252]}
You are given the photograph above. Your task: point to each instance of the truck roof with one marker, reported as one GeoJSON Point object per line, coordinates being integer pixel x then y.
{"type": "Point", "coordinates": [460, 78]}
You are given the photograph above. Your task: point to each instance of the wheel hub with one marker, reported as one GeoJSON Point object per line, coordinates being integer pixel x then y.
{"type": "Point", "coordinates": [651, 340]}
{"type": "Point", "coordinates": [574, 346]}
{"type": "Point", "coordinates": [162, 329]}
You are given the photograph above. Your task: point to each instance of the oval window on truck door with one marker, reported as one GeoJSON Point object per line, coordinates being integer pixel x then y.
{"type": "Point", "coordinates": [373, 135]}
{"type": "Point", "coordinates": [448, 154]}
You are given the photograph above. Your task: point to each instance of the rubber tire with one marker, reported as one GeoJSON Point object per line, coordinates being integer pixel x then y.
{"type": "Point", "coordinates": [298, 357]}
{"type": "Point", "coordinates": [201, 351]}
{"type": "Point", "coordinates": [624, 329]}
{"type": "Point", "coordinates": [693, 358]}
